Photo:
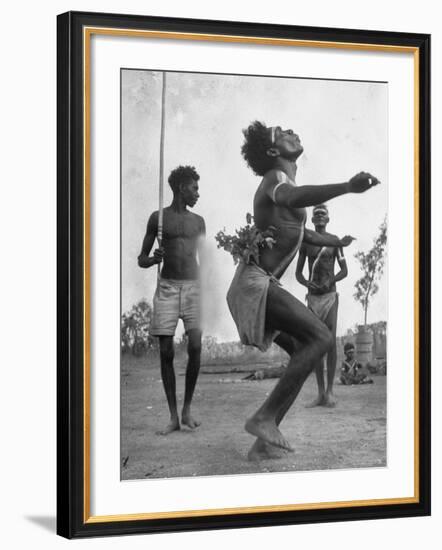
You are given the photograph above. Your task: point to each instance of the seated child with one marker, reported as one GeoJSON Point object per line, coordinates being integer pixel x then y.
{"type": "Point", "coordinates": [350, 370]}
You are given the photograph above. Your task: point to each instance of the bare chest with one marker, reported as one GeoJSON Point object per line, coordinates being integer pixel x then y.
{"type": "Point", "coordinates": [266, 213]}
{"type": "Point", "coordinates": [324, 256]}
{"type": "Point", "coordinates": [180, 226]}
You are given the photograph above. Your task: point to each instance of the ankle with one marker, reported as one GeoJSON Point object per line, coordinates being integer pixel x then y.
{"type": "Point", "coordinates": [261, 416]}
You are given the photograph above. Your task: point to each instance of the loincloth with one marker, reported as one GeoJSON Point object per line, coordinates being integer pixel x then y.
{"type": "Point", "coordinates": [247, 300]}
{"type": "Point", "coordinates": [321, 304]}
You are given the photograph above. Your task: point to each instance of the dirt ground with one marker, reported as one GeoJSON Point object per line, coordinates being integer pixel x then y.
{"type": "Point", "coordinates": [352, 435]}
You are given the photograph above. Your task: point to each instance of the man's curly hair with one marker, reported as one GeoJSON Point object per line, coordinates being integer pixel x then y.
{"type": "Point", "coordinates": [254, 149]}
{"type": "Point", "coordinates": [182, 174]}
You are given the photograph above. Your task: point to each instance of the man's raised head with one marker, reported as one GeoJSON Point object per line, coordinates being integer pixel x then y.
{"type": "Point", "coordinates": [264, 146]}
{"type": "Point", "coordinates": [258, 140]}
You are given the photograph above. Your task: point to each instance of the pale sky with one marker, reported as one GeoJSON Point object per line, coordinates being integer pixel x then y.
{"type": "Point", "coordinates": [342, 126]}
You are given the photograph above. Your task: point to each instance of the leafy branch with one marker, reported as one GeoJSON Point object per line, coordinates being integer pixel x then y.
{"type": "Point", "coordinates": [247, 242]}
{"type": "Point", "coordinates": [372, 266]}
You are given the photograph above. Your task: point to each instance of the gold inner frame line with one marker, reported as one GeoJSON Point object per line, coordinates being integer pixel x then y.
{"type": "Point", "coordinates": [87, 33]}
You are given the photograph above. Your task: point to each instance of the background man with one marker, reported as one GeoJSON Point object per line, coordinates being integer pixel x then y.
{"type": "Point", "coordinates": [322, 298]}
{"type": "Point", "coordinates": [178, 291]}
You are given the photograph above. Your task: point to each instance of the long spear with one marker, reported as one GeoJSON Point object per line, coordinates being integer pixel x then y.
{"type": "Point", "coordinates": [161, 192]}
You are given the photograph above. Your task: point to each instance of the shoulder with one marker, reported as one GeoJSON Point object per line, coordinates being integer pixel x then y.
{"type": "Point", "coordinates": [334, 250]}
{"type": "Point", "coordinates": [309, 250]}
{"type": "Point", "coordinates": [198, 219]}
{"type": "Point", "coordinates": [273, 180]}
{"type": "Point", "coordinates": [275, 177]}
{"type": "Point", "coordinates": [153, 219]}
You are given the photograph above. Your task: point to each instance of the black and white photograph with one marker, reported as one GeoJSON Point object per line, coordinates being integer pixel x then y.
{"type": "Point", "coordinates": [218, 314]}
{"type": "Point", "coordinates": [254, 274]}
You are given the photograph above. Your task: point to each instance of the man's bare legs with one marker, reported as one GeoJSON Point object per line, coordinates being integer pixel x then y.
{"type": "Point", "coordinates": [289, 315]}
{"type": "Point", "coordinates": [261, 450]}
{"type": "Point", "coordinates": [319, 401]}
{"type": "Point", "coordinates": [332, 356]}
{"type": "Point", "coordinates": [193, 367]}
{"type": "Point", "coordinates": [325, 395]}
{"type": "Point", "coordinates": [167, 353]}
{"type": "Point", "coordinates": [168, 376]}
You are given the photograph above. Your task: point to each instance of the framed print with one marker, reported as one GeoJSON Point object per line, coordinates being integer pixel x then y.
{"type": "Point", "coordinates": [243, 274]}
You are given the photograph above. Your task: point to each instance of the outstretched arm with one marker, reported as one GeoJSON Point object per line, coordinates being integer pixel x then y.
{"type": "Point", "coordinates": [316, 239]}
{"type": "Point", "coordinates": [144, 260]}
{"type": "Point", "coordinates": [310, 195]}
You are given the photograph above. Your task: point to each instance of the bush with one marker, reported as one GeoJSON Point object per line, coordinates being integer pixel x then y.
{"type": "Point", "coordinates": [135, 325]}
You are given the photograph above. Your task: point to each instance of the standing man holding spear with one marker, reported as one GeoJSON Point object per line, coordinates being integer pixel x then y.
{"type": "Point", "coordinates": [180, 234]}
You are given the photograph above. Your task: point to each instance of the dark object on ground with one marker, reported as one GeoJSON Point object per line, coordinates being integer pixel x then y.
{"type": "Point", "coordinates": [380, 367]}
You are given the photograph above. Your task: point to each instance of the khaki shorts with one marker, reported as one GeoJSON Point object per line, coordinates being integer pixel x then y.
{"type": "Point", "coordinates": [175, 300]}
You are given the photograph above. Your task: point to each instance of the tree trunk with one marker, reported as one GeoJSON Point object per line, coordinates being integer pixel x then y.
{"type": "Point", "coordinates": [367, 296]}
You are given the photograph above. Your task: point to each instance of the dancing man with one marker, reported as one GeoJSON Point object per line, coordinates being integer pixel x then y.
{"type": "Point", "coordinates": [322, 298]}
{"type": "Point", "coordinates": [178, 290]}
{"type": "Point", "coordinates": [262, 309]}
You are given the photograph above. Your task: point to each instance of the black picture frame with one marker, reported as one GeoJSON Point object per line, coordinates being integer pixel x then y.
{"type": "Point", "coordinates": [73, 520]}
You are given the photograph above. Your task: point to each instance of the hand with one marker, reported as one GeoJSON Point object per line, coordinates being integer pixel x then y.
{"type": "Point", "coordinates": [324, 287]}
{"type": "Point", "coordinates": [361, 183]}
{"type": "Point", "coordinates": [312, 286]}
{"type": "Point", "coordinates": [158, 255]}
{"type": "Point", "coordinates": [348, 239]}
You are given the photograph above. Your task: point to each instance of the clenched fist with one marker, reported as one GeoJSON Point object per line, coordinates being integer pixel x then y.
{"type": "Point", "coordinates": [361, 182]}
{"type": "Point", "coordinates": [158, 255]}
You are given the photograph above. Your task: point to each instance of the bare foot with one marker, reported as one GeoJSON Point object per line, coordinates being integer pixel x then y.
{"type": "Point", "coordinates": [189, 421]}
{"type": "Point", "coordinates": [268, 431]}
{"type": "Point", "coordinates": [261, 450]}
{"type": "Point", "coordinates": [320, 401]}
{"type": "Point", "coordinates": [173, 426]}
{"type": "Point", "coordinates": [330, 400]}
